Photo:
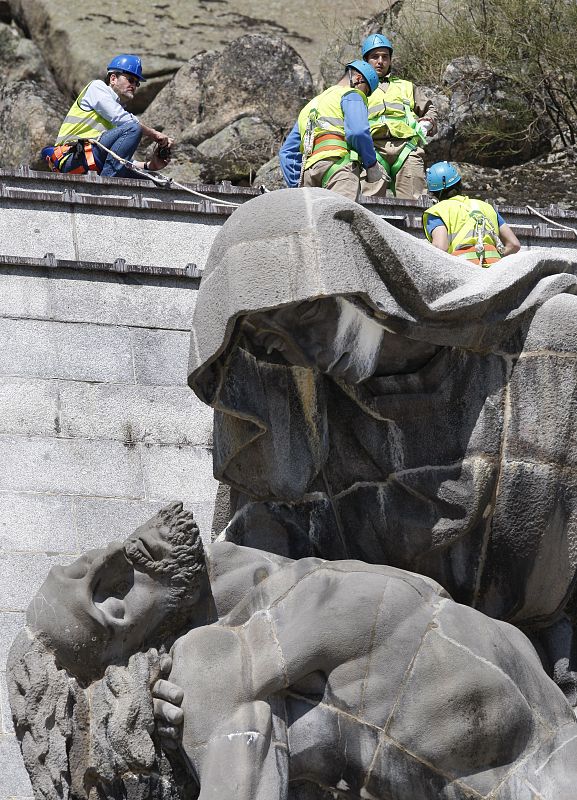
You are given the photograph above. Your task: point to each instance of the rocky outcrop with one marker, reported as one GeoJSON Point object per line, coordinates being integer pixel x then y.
{"type": "Point", "coordinates": [166, 33]}
{"type": "Point", "coordinates": [31, 105]}
{"type": "Point", "coordinates": [235, 107]}
{"type": "Point", "coordinates": [488, 121]}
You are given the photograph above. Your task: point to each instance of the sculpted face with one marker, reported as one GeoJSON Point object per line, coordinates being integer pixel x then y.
{"type": "Point", "coordinates": [106, 604]}
{"type": "Point", "coordinates": [337, 336]}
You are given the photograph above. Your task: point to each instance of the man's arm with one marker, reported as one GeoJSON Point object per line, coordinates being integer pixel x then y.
{"type": "Point", "coordinates": [425, 110]}
{"type": "Point", "coordinates": [290, 157]}
{"type": "Point", "coordinates": [512, 244]}
{"type": "Point", "coordinates": [357, 131]}
{"type": "Point", "coordinates": [438, 233]}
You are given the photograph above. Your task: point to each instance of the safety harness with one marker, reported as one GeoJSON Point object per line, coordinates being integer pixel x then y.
{"type": "Point", "coordinates": [334, 141]}
{"type": "Point", "coordinates": [58, 155]}
{"type": "Point", "coordinates": [482, 252]}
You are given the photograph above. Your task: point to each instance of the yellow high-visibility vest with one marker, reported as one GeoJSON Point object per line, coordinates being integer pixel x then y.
{"type": "Point", "coordinates": [459, 217]}
{"type": "Point", "coordinates": [327, 117]}
{"type": "Point", "coordinates": [392, 108]}
{"type": "Point", "coordinates": [80, 124]}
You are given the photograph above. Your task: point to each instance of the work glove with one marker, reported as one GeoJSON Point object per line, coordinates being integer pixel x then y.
{"type": "Point", "coordinates": [377, 173]}
{"type": "Point", "coordinates": [423, 128]}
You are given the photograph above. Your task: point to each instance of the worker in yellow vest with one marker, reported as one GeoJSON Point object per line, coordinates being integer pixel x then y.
{"type": "Point", "coordinates": [401, 118]}
{"type": "Point", "coordinates": [98, 115]}
{"type": "Point", "coordinates": [462, 226]}
{"type": "Point", "coordinates": [334, 135]}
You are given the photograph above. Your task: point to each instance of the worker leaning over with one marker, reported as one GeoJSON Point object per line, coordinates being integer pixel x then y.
{"type": "Point", "coordinates": [462, 226]}
{"type": "Point", "coordinates": [98, 114]}
{"type": "Point", "coordinates": [334, 134]}
{"type": "Point", "coordinates": [401, 118]}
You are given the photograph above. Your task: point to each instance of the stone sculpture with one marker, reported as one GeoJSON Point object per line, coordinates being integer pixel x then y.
{"type": "Point", "coordinates": [377, 399]}
{"type": "Point", "coordinates": [381, 410]}
{"type": "Point", "coordinates": [362, 679]}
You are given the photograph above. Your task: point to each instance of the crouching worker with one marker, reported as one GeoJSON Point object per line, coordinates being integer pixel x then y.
{"type": "Point", "coordinates": [98, 116]}
{"type": "Point", "coordinates": [334, 133]}
{"type": "Point", "coordinates": [464, 227]}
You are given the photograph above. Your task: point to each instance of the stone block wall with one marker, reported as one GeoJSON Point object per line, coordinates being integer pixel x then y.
{"type": "Point", "coordinates": [97, 430]}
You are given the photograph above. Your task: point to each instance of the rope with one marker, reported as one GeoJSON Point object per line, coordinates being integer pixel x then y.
{"type": "Point", "coordinates": [162, 180]}
{"type": "Point", "coordinates": [551, 221]}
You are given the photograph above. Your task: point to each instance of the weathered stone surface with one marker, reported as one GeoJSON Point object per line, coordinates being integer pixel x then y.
{"type": "Point", "coordinates": [70, 466]}
{"type": "Point", "coordinates": [44, 522]}
{"type": "Point", "coordinates": [486, 116]}
{"type": "Point", "coordinates": [237, 151]}
{"type": "Point", "coordinates": [30, 348]}
{"type": "Point", "coordinates": [390, 689]}
{"type": "Point", "coordinates": [31, 105]}
{"type": "Point", "coordinates": [234, 123]}
{"type": "Point", "coordinates": [409, 410]}
{"type": "Point", "coordinates": [167, 34]}
{"type": "Point", "coordinates": [270, 175]}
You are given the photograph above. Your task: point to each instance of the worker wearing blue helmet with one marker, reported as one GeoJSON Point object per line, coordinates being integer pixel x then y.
{"type": "Point", "coordinates": [401, 118]}
{"type": "Point", "coordinates": [463, 226]}
{"type": "Point", "coordinates": [334, 137]}
{"type": "Point", "coordinates": [98, 116]}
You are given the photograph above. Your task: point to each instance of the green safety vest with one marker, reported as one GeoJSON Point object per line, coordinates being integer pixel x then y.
{"type": "Point", "coordinates": [80, 124]}
{"type": "Point", "coordinates": [459, 216]}
{"type": "Point", "coordinates": [391, 109]}
{"type": "Point", "coordinates": [327, 115]}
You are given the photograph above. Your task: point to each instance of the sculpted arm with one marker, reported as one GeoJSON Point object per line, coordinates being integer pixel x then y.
{"type": "Point", "coordinates": [228, 727]}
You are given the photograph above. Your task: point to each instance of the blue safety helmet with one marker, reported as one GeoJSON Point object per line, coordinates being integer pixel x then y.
{"type": "Point", "coordinates": [130, 64]}
{"type": "Point", "coordinates": [367, 71]}
{"type": "Point", "coordinates": [375, 40]}
{"type": "Point", "coordinates": [442, 175]}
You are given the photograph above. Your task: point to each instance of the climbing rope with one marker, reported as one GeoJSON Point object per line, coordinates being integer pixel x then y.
{"type": "Point", "coordinates": [162, 180]}
{"type": "Point", "coordinates": [551, 221]}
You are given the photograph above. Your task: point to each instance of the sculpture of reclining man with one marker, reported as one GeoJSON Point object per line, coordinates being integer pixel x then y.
{"type": "Point", "coordinates": [363, 679]}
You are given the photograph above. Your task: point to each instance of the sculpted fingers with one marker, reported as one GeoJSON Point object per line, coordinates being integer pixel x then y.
{"type": "Point", "coordinates": [165, 690]}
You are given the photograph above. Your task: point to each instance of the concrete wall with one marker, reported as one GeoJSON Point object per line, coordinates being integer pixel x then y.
{"type": "Point", "coordinates": [97, 431]}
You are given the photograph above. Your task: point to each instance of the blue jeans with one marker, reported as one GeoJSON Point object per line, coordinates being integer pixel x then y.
{"type": "Point", "coordinates": [122, 140]}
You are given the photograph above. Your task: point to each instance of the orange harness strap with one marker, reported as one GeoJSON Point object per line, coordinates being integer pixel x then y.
{"type": "Point", "coordinates": [64, 151]}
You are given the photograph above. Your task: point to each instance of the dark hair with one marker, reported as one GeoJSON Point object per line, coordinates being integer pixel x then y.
{"type": "Point", "coordinates": [451, 191]}
{"type": "Point", "coordinates": [112, 72]}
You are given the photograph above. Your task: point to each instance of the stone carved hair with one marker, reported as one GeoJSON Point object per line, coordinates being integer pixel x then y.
{"type": "Point", "coordinates": [98, 742]}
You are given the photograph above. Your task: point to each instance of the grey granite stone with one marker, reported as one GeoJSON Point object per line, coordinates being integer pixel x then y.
{"type": "Point", "coordinates": [160, 356]}
{"type": "Point", "coordinates": [38, 522]}
{"type": "Point", "coordinates": [14, 781]}
{"type": "Point", "coordinates": [362, 680]}
{"type": "Point", "coordinates": [178, 471]}
{"type": "Point", "coordinates": [136, 300]}
{"type": "Point", "coordinates": [29, 406]}
{"type": "Point", "coordinates": [22, 574]}
{"type": "Point", "coordinates": [39, 349]}
{"type": "Point", "coordinates": [5, 713]}
{"type": "Point", "coordinates": [400, 408]}
{"type": "Point", "coordinates": [70, 466]}
{"type": "Point", "coordinates": [102, 236]}
{"type": "Point", "coordinates": [129, 414]}
{"type": "Point", "coordinates": [11, 623]}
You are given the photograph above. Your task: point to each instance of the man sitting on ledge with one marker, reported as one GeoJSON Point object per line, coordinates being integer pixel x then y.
{"type": "Point", "coordinates": [97, 115]}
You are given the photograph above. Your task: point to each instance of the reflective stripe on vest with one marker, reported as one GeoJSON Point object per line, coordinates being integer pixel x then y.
{"type": "Point", "coordinates": [456, 214]}
{"type": "Point", "coordinates": [328, 117]}
{"type": "Point", "coordinates": [80, 124]}
{"type": "Point", "coordinates": [391, 110]}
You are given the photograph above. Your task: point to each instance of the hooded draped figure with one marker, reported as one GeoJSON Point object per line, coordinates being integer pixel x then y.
{"type": "Point", "coordinates": [377, 399]}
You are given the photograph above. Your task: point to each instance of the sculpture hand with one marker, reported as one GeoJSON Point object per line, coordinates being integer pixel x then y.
{"type": "Point", "coordinates": [169, 717]}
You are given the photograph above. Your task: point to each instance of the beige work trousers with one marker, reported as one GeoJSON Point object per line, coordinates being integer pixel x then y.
{"type": "Point", "coordinates": [410, 182]}
{"type": "Point", "coordinates": [345, 181]}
